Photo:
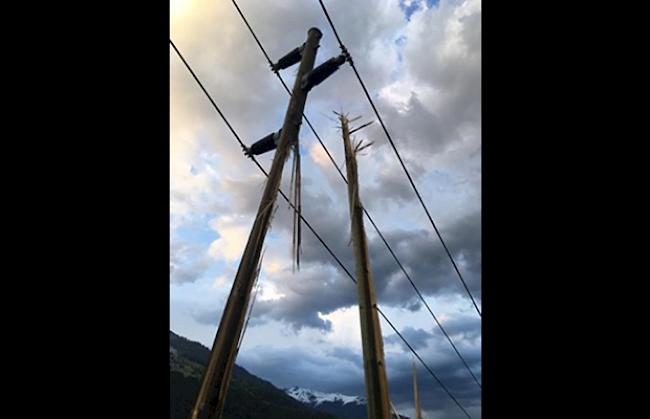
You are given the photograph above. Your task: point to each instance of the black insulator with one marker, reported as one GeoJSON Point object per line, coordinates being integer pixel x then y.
{"type": "Point", "coordinates": [320, 73]}
{"type": "Point", "coordinates": [268, 143]}
{"type": "Point", "coordinates": [288, 60]}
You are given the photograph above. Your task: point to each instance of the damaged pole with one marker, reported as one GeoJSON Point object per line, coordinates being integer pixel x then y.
{"type": "Point", "coordinates": [418, 411]}
{"type": "Point", "coordinates": [216, 377]}
{"type": "Point", "coordinates": [373, 347]}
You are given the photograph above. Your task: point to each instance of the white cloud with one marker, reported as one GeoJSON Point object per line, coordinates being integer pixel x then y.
{"type": "Point", "coordinates": [232, 238]}
{"type": "Point", "coordinates": [318, 156]}
{"type": "Point", "coordinates": [346, 327]}
{"type": "Point", "coordinates": [268, 292]}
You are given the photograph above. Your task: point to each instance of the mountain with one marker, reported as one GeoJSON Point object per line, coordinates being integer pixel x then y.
{"type": "Point", "coordinates": [339, 405]}
{"type": "Point", "coordinates": [249, 397]}
{"type": "Point", "coordinates": [310, 396]}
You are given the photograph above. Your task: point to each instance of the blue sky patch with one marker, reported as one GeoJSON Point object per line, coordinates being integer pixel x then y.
{"type": "Point", "coordinates": [432, 3]}
{"type": "Point", "coordinates": [410, 9]}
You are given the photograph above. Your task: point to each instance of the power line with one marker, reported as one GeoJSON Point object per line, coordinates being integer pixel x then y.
{"type": "Point", "coordinates": [364, 209]}
{"type": "Point", "coordinates": [420, 359]}
{"type": "Point", "coordinates": [390, 140]}
{"type": "Point", "coordinates": [311, 228]}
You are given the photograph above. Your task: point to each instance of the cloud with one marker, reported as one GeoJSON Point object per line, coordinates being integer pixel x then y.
{"type": "Point", "coordinates": [226, 277]}
{"type": "Point", "coordinates": [244, 193]}
{"type": "Point", "coordinates": [207, 317]}
{"type": "Point", "coordinates": [232, 238]}
{"type": "Point", "coordinates": [184, 264]}
{"type": "Point", "coordinates": [354, 357]}
{"type": "Point", "coordinates": [319, 156]}
{"type": "Point", "coordinates": [295, 366]}
{"type": "Point", "coordinates": [321, 286]}
{"type": "Point", "coordinates": [417, 128]}
{"type": "Point", "coordinates": [428, 265]}
{"type": "Point", "coordinates": [417, 338]}
{"type": "Point", "coordinates": [306, 294]}
{"type": "Point", "coordinates": [465, 328]}
{"type": "Point", "coordinates": [341, 370]}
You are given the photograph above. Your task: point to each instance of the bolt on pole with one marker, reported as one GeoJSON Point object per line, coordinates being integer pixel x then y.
{"type": "Point", "coordinates": [216, 378]}
{"type": "Point", "coordinates": [373, 347]}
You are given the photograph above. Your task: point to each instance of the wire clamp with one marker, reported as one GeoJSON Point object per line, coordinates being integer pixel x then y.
{"type": "Point", "coordinates": [347, 55]}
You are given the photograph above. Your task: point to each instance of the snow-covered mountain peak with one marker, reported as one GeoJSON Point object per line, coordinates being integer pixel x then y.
{"type": "Point", "coordinates": [316, 397]}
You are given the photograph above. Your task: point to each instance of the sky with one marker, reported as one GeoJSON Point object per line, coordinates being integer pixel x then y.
{"type": "Point", "coordinates": [421, 62]}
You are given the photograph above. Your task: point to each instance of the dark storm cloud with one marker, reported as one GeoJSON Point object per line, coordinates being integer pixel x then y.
{"type": "Point", "coordinates": [417, 338]}
{"type": "Point", "coordinates": [467, 328]}
{"type": "Point", "coordinates": [449, 370]}
{"type": "Point", "coordinates": [298, 367]}
{"type": "Point", "coordinates": [419, 251]}
{"type": "Point", "coordinates": [464, 332]}
{"type": "Point", "coordinates": [354, 357]}
{"type": "Point", "coordinates": [332, 372]}
{"type": "Point", "coordinates": [322, 286]}
{"type": "Point", "coordinates": [424, 259]}
{"type": "Point", "coordinates": [308, 293]}
{"type": "Point", "coordinates": [426, 262]}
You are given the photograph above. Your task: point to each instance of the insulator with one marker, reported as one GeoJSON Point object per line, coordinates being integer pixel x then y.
{"type": "Point", "coordinates": [288, 60]}
{"type": "Point", "coordinates": [320, 73]}
{"type": "Point", "coordinates": [268, 143]}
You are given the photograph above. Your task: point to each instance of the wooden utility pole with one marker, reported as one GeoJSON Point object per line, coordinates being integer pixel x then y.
{"type": "Point", "coordinates": [373, 347]}
{"type": "Point", "coordinates": [418, 411]}
{"type": "Point", "coordinates": [216, 378]}
{"type": "Point", "coordinates": [395, 412]}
